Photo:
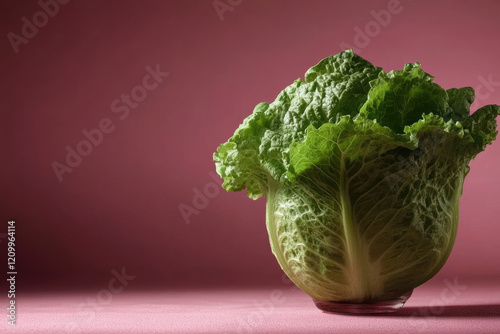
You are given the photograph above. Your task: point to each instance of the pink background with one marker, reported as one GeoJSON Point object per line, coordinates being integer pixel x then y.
{"type": "Point", "coordinates": [120, 206]}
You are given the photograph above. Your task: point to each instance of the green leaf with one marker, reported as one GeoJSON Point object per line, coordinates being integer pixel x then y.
{"type": "Point", "coordinates": [483, 127]}
{"type": "Point", "coordinates": [400, 98]}
{"type": "Point", "coordinates": [459, 101]}
{"type": "Point", "coordinates": [257, 152]}
{"type": "Point", "coordinates": [359, 139]}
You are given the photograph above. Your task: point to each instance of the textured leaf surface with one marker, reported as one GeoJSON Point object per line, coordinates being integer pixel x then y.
{"type": "Point", "coordinates": [367, 216]}
{"type": "Point", "coordinates": [362, 172]}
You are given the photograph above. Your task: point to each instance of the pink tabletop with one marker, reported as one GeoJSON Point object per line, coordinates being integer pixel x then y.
{"type": "Point", "coordinates": [441, 306]}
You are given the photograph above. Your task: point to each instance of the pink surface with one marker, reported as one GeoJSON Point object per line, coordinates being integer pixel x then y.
{"type": "Point", "coordinates": [447, 306]}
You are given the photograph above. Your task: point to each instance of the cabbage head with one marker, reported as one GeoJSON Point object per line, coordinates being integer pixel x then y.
{"type": "Point", "coordinates": [362, 171]}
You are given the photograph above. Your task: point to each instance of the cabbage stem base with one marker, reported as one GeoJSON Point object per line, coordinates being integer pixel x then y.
{"type": "Point", "coordinates": [376, 307]}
